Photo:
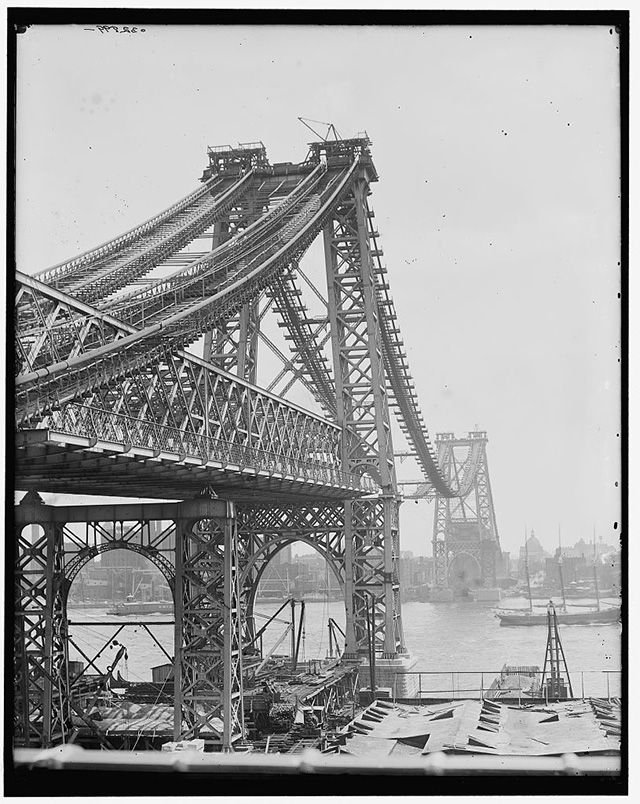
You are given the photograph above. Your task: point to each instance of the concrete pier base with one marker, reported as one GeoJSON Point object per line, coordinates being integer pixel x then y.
{"type": "Point", "coordinates": [391, 674]}
{"type": "Point", "coordinates": [491, 595]}
{"type": "Point", "coordinates": [441, 595]}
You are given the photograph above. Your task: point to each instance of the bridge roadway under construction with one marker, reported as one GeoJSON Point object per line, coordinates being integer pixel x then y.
{"type": "Point", "coordinates": [136, 377]}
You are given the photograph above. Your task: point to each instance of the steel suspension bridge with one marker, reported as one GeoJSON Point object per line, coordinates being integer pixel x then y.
{"type": "Point", "coordinates": [110, 400]}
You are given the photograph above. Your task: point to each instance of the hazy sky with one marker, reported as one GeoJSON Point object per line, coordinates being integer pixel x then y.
{"type": "Point", "coordinates": [498, 155]}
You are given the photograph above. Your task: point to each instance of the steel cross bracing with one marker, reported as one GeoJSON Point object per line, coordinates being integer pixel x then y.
{"type": "Point", "coordinates": [34, 326]}
{"type": "Point", "coordinates": [465, 525]}
{"type": "Point", "coordinates": [174, 427]}
{"type": "Point", "coordinates": [371, 526]}
{"type": "Point", "coordinates": [177, 311]}
{"type": "Point", "coordinates": [194, 544]}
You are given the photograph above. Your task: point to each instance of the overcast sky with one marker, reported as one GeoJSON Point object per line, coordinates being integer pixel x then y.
{"type": "Point", "coordinates": [498, 155]}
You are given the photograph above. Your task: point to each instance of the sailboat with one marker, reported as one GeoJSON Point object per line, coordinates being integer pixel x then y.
{"type": "Point", "coordinates": [593, 616]}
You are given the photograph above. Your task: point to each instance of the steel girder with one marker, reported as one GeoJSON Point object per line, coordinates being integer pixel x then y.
{"type": "Point", "coordinates": [66, 272]}
{"type": "Point", "coordinates": [183, 399]}
{"type": "Point", "coordinates": [100, 280]}
{"type": "Point", "coordinates": [465, 524]}
{"type": "Point", "coordinates": [195, 546]}
{"type": "Point", "coordinates": [371, 526]}
{"type": "Point", "coordinates": [183, 405]}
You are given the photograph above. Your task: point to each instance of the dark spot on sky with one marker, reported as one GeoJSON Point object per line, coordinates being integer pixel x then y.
{"type": "Point", "coordinates": [616, 484]}
{"type": "Point", "coordinates": [611, 31]}
{"type": "Point", "coordinates": [615, 526]}
{"type": "Point", "coordinates": [568, 124]}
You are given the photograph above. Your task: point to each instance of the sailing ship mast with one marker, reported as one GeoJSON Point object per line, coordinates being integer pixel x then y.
{"type": "Point", "coordinates": [526, 570]}
{"type": "Point", "coordinates": [564, 598]}
{"type": "Point", "coordinates": [595, 572]}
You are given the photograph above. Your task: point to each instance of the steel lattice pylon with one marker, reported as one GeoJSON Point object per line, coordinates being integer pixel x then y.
{"type": "Point", "coordinates": [371, 527]}
{"type": "Point", "coordinates": [465, 527]}
{"type": "Point", "coordinates": [209, 655]}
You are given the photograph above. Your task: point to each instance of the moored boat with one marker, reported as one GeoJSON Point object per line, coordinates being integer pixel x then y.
{"type": "Point", "coordinates": [610, 615]}
{"type": "Point", "coordinates": [142, 607]}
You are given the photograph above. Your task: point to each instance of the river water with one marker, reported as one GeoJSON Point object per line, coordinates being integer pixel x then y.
{"type": "Point", "coordinates": [460, 638]}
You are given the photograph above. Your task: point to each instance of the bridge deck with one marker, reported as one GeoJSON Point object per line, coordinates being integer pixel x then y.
{"type": "Point", "coordinates": [62, 463]}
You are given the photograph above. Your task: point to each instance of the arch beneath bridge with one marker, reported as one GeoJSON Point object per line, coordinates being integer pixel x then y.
{"type": "Point", "coordinates": [85, 555]}
{"type": "Point", "coordinates": [260, 559]}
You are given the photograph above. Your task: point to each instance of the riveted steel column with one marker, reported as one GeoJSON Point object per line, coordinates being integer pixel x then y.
{"type": "Point", "coordinates": [208, 700]}
{"type": "Point", "coordinates": [232, 710]}
{"type": "Point", "coordinates": [362, 406]}
{"type": "Point", "coordinates": [340, 373]}
{"type": "Point", "coordinates": [40, 659]}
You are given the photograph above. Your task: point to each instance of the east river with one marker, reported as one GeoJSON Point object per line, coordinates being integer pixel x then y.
{"type": "Point", "coordinates": [462, 641]}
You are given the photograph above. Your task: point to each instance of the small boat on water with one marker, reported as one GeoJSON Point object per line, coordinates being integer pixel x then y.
{"type": "Point", "coordinates": [131, 606]}
{"type": "Point", "coordinates": [611, 615]}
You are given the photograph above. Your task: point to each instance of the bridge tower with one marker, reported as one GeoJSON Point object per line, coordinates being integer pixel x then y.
{"type": "Point", "coordinates": [371, 525]}
{"type": "Point", "coordinates": [466, 546]}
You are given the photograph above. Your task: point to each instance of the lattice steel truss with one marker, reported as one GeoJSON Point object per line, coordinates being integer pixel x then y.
{"type": "Point", "coordinates": [465, 524]}
{"type": "Point", "coordinates": [41, 708]}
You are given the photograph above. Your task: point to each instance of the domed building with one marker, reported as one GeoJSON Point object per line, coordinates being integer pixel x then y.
{"type": "Point", "coordinates": [534, 553]}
